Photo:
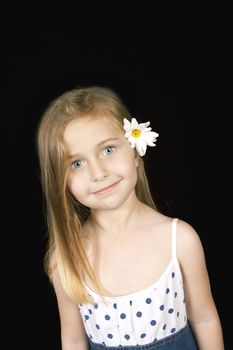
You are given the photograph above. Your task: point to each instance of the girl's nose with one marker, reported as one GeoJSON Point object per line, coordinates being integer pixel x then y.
{"type": "Point", "coordinates": [98, 171]}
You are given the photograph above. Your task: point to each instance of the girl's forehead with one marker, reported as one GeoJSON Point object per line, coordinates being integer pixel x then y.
{"type": "Point", "coordinates": [91, 121]}
{"type": "Point", "coordinates": [92, 130]}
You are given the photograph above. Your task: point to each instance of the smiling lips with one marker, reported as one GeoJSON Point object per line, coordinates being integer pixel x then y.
{"type": "Point", "coordinates": [106, 189]}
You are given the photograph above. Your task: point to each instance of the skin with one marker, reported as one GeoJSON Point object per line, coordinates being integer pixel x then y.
{"type": "Point", "coordinates": [118, 219]}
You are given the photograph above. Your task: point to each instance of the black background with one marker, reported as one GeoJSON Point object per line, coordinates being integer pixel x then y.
{"type": "Point", "coordinates": [171, 69]}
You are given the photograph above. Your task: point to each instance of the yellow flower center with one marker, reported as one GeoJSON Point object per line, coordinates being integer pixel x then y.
{"type": "Point", "coordinates": [136, 133]}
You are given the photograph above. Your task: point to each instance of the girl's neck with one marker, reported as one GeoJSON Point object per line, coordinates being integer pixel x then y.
{"type": "Point", "coordinates": [115, 222]}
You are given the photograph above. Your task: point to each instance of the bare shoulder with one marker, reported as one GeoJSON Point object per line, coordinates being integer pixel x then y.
{"type": "Point", "coordinates": [187, 236]}
{"type": "Point", "coordinates": [189, 246]}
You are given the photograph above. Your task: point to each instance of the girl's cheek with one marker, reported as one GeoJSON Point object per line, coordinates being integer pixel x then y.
{"type": "Point", "coordinates": [77, 181]}
{"type": "Point", "coordinates": [71, 181]}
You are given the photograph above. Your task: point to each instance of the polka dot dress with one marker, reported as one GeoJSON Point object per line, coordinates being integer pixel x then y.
{"type": "Point", "coordinates": [142, 317]}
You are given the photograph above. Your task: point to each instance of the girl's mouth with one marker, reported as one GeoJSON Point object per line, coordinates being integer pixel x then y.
{"type": "Point", "coordinates": [106, 189]}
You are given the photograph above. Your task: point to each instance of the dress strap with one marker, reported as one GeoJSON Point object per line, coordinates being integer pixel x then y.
{"type": "Point", "coordinates": [174, 222]}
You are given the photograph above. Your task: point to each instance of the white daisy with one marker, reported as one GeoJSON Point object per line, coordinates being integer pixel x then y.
{"type": "Point", "coordinates": [139, 135]}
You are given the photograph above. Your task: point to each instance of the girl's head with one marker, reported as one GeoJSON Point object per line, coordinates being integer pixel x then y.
{"type": "Point", "coordinates": [76, 114]}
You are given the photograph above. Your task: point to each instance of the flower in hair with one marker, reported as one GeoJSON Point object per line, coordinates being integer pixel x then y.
{"type": "Point", "coordinates": [139, 135]}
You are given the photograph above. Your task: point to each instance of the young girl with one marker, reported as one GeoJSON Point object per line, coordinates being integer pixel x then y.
{"type": "Point", "coordinates": [125, 275]}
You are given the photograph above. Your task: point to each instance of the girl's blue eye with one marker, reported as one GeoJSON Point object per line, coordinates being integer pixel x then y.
{"type": "Point", "coordinates": [77, 164]}
{"type": "Point", "coordinates": [108, 150]}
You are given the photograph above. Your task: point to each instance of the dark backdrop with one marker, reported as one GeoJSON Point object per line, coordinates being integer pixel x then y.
{"type": "Point", "coordinates": [169, 74]}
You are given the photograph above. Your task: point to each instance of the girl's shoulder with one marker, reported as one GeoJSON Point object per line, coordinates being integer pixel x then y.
{"type": "Point", "coordinates": [161, 225]}
{"type": "Point", "coordinates": [189, 248]}
{"type": "Point", "coordinates": [185, 231]}
{"type": "Point", "coordinates": [188, 245]}
{"type": "Point", "coordinates": [187, 236]}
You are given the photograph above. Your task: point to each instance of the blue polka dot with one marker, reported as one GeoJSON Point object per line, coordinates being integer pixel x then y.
{"type": "Point", "coordinates": [148, 300]}
{"type": "Point", "coordinates": [107, 317]}
{"type": "Point", "coordinates": [153, 323]}
{"type": "Point", "coordinates": [90, 311]}
{"type": "Point", "coordinates": [130, 303]}
{"type": "Point", "coordinates": [86, 317]}
{"type": "Point", "coordinates": [139, 314]}
{"type": "Point", "coordinates": [178, 314]}
{"type": "Point", "coordinates": [143, 335]}
{"type": "Point", "coordinates": [173, 274]}
{"type": "Point", "coordinates": [97, 326]}
{"type": "Point", "coordinates": [115, 306]}
{"type": "Point", "coordinates": [167, 290]}
{"type": "Point", "coordinates": [161, 307]}
{"type": "Point", "coordinates": [175, 295]}
{"type": "Point", "coordinates": [110, 336]}
{"type": "Point", "coordinates": [127, 337]}
{"type": "Point", "coordinates": [164, 326]}
{"type": "Point", "coordinates": [123, 316]}
{"type": "Point", "coordinates": [96, 306]}
{"type": "Point", "coordinates": [90, 336]}
{"type": "Point", "coordinates": [173, 330]}
{"type": "Point", "coordinates": [171, 310]}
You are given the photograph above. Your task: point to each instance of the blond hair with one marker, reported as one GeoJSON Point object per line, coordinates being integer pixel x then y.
{"type": "Point", "coordinates": [65, 216]}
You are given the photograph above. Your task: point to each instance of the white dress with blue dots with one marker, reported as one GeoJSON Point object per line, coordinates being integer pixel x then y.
{"type": "Point", "coordinates": [140, 318]}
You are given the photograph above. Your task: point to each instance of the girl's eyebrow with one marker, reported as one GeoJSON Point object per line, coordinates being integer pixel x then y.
{"type": "Point", "coordinates": [107, 140]}
{"type": "Point", "coordinates": [111, 139]}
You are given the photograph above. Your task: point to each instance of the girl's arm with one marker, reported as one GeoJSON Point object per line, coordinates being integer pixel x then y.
{"type": "Point", "coordinates": [201, 309]}
{"type": "Point", "coordinates": [73, 336]}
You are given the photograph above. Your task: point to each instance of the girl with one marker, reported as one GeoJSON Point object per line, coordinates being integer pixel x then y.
{"type": "Point", "coordinates": [125, 275]}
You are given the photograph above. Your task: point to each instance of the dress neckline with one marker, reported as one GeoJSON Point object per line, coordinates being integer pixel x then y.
{"type": "Point", "coordinates": [152, 286]}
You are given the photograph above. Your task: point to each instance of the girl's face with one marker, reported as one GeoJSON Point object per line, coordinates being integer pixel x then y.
{"type": "Point", "coordinates": [102, 165]}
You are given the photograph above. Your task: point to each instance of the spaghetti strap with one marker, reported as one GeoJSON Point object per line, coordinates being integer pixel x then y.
{"type": "Point", "coordinates": [174, 222]}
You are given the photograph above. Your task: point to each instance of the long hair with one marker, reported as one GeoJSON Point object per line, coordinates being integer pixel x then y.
{"type": "Point", "coordinates": [65, 215]}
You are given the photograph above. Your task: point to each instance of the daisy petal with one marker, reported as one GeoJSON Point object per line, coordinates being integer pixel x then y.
{"type": "Point", "coordinates": [141, 148]}
{"type": "Point", "coordinates": [144, 125]}
{"type": "Point", "coordinates": [127, 124]}
{"type": "Point", "coordinates": [134, 124]}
